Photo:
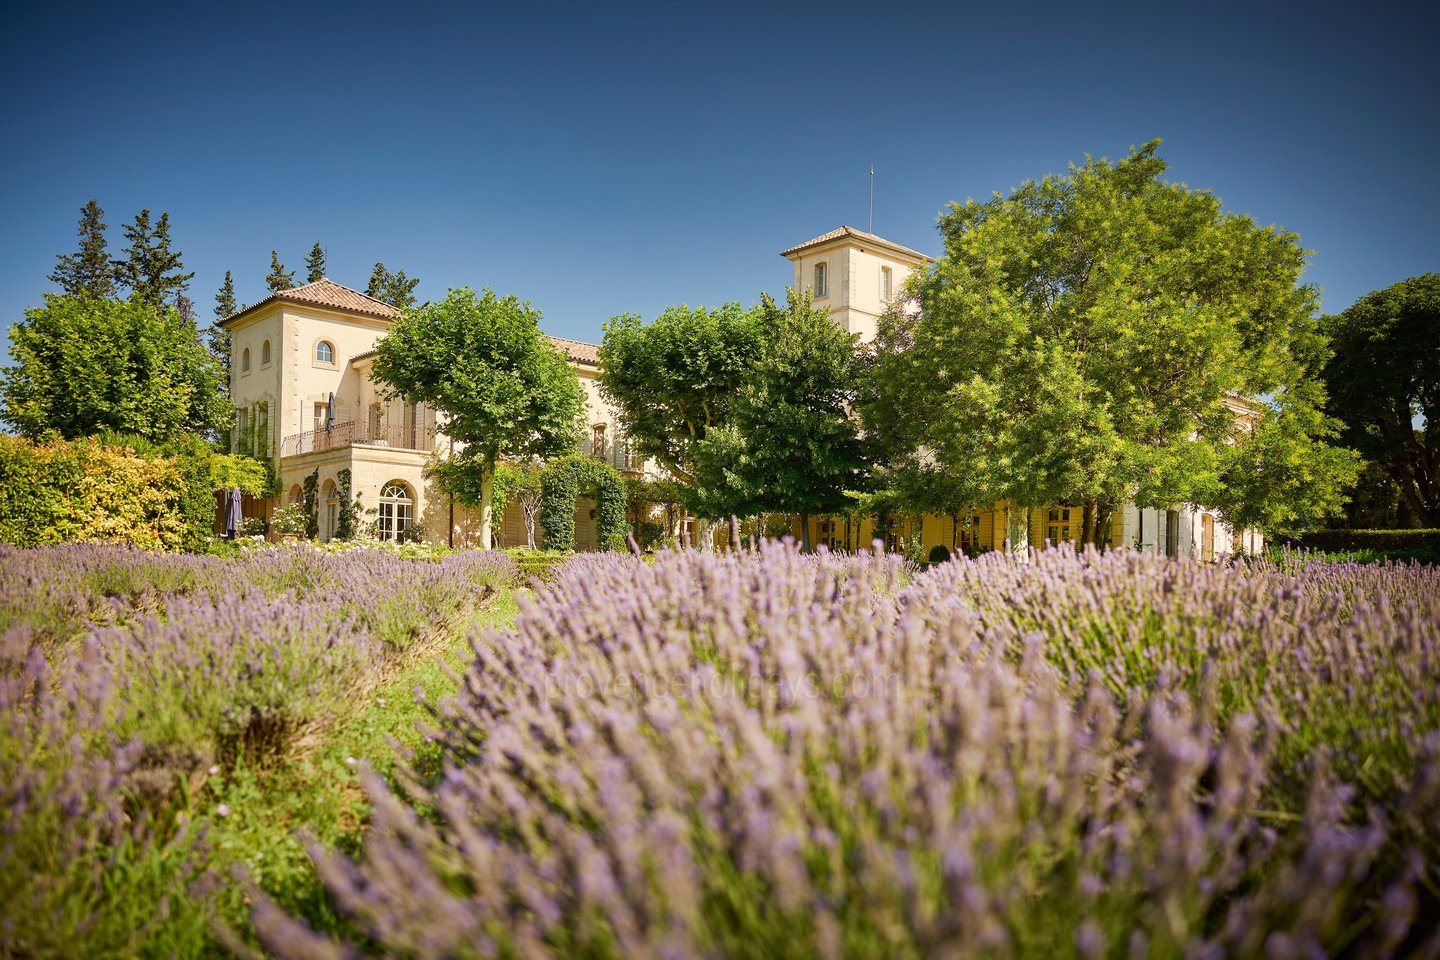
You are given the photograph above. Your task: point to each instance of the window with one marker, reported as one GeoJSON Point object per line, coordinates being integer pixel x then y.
{"type": "Point", "coordinates": [1057, 527]}
{"type": "Point", "coordinates": [322, 416]}
{"type": "Point", "coordinates": [324, 352]}
{"type": "Point", "coordinates": [886, 278]}
{"type": "Point", "coordinates": [397, 510]}
{"type": "Point", "coordinates": [265, 354]}
{"type": "Point", "coordinates": [822, 279]}
{"type": "Point", "coordinates": [245, 361]}
{"type": "Point", "coordinates": [297, 496]}
{"type": "Point", "coordinates": [332, 510]}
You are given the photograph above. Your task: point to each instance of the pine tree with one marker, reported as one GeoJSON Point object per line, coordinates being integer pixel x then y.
{"type": "Point", "coordinates": [87, 273]}
{"type": "Point", "coordinates": [315, 264]}
{"type": "Point", "coordinates": [225, 302]}
{"type": "Point", "coordinates": [394, 288]}
{"type": "Point", "coordinates": [280, 278]}
{"type": "Point", "coordinates": [151, 270]}
{"type": "Point", "coordinates": [129, 270]}
{"type": "Point", "coordinates": [167, 274]}
{"type": "Point", "coordinates": [217, 338]}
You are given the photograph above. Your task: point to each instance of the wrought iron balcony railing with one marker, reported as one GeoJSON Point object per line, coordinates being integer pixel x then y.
{"type": "Point", "coordinates": [356, 431]}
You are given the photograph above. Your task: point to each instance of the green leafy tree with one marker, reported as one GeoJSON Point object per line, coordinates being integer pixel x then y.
{"type": "Point", "coordinates": [1384, 384]}
{"type": "Point", "coordinates": [676, 379]}
{"type": "Point", "coordinates": [395, 289]}
{"type": "Point", "coordinates": [315, 264]}
{"type": "Point", "coordinates": [1090, 339]}
{"type": "Point", "coordinates": [791, 445]}
{"type": "Point", "coordinates": [482, 360]}
{"type": "Point", "coordinates": [83, 366]}
{"type": "Point", "coordinates": [151, 270]}
{"type": "Point", "coordinates": [279, 278]}
{"type": "Point", "coordinates": [87, 273]}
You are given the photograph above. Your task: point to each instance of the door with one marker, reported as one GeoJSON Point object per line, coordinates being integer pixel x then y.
{"type": "Point", "coordinates": [1207, 538]}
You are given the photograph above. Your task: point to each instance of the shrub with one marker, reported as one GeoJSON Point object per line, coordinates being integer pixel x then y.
{"type": "Point", "coordinates": [81, 873]}
{"type": "Point", "coordinates": [939, 553]}
{"type": "Point", "coordinates": [82, 491]}
{"type": "Point", "coordinates": [290, 521]}
{"type": "Point", "coordinates": [1376, 540]}
{"type": "Point", "coordinates": [777, 755]}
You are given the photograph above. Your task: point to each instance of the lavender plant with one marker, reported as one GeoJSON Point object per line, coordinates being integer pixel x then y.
{"type": "Point", "coordinates": [775, 755]}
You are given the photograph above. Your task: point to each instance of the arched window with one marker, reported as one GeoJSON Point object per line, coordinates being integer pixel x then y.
{"type": "Point", "coordinates": [324, 352]}
{"type": "Point", "coordinates": [245, 361]}
{"type": "Point", "coordinates": [265, 354]}
{"type": "Point", "coordinates": [297, 495]}
{"type": "Point", "coordinates": [331, 495]}
{"type": "Point", "coordinates": [397, 510]}
{"type": "Point", "coordinates": [822, 279]}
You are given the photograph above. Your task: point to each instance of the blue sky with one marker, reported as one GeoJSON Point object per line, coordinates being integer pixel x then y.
{"type": "Point", "coordinates": [598, 159]}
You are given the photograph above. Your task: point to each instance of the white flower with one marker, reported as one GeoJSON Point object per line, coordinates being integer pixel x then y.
{"type": "Point", "coordinates": [223, 810]}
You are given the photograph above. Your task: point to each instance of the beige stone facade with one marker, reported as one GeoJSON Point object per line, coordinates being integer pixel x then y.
{"type": "Point", "coordinates": [305, 398]}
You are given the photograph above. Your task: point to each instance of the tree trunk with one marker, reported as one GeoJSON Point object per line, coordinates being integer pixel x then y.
{"type": "Point", "coordinates": [487, 494]}
{"type": "Point", "coordinates": [1017, 530]}
{"type": "Point", "coordinates": [1104, 516]}
{"type": "Point", "coordinates": [805, 532]}
{"type": "Point", "coordinates": [1087, 523]}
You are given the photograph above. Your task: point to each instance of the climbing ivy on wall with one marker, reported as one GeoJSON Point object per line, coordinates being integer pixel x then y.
{"type": "Point", "coordinates": [566, 479]}
{"type": "Point", "coordinates": [311, 490]}
{"type": "Point", "coordinates": [345, 521]}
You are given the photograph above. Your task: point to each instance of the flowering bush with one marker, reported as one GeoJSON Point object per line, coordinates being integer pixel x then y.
{"type": "Point", "coordinates": [774, 755]}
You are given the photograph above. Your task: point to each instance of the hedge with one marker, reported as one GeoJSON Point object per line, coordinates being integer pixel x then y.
{"type": "Point", "coordinates": [1330, 540]}
{"type": "Point", "coordinates": [569, 477]}
{"type": "Point", "coordinates": [82, 490]}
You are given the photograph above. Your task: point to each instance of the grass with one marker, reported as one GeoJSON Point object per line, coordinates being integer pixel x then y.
{"type": "Point", "coordinates": [258, 813]}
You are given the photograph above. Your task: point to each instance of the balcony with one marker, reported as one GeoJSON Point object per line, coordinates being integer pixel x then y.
{"type": "Point", "coordinates": [353, 432]}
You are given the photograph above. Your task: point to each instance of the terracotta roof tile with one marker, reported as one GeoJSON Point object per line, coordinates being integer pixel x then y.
{"type": "Point", "coordinates": [326, 293]}
{"type": "Point", "coordinates": [858, 235]}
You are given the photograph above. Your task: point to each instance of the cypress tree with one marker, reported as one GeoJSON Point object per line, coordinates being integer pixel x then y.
{"type": "Point", "coordinates": [87, 273]}
{"type": "Point", "coordinates": [315, 264]}
{"type": "Point", "coordinates": [280, 278]}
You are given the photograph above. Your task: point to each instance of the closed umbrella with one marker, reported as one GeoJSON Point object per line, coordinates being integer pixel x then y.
{"type": "Point", "coordinates": [232, 515]}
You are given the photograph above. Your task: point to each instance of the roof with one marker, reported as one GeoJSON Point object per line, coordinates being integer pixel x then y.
{"type": "Point", "coordinates": [325, 293]}
{"type": "Point", "coordinates": [576, 350]}
{"type": "Point", "coordinates": [861, 235]}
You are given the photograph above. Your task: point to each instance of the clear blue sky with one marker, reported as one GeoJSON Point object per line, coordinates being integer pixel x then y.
{"type": "Point", "coordinates": [598, 159]}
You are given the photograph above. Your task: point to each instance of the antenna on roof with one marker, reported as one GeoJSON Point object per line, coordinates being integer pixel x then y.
{"type": "Point", "coordinates": [871, 228]}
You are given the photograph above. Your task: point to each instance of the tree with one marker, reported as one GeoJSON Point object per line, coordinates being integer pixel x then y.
{"type": "Point", "coordinates": [151, 270]}
{"type": "Point", "coordinates": [83, 366]}
{"type": "Point", "coordinates": [393, 288]}
{"type": "Point", "coordinates": [279, 278]}
{"type": "Point", "coordinates": [1384, 385]}
{"type": "Point", "coordinates": [217, 338]}
{"type": "Point", "coordinates": [791, 445]}
{"type": "Point", "coordinates": [523, 482]}
{"type": "Point", "coordinates": [315, 264]}
{"type": "Point", "coordinates": [482, 360]}
{"type": "Point", "coordinates": [1091, 339]}
{"type": "Point", "coordinates": [675, 379]}
{"type": "Point", "coordinates": [87, 273]}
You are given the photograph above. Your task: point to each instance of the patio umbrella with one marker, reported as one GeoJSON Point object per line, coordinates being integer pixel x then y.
{"type": "Point", "coordinates": [232, 514]}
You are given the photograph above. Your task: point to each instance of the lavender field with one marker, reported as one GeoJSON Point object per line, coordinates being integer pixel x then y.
{"type": "Point", "coordinates": [738, 755]}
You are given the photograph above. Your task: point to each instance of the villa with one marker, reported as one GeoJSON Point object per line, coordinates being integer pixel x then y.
{"type": "Point", "coordinates": [305, 399]}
